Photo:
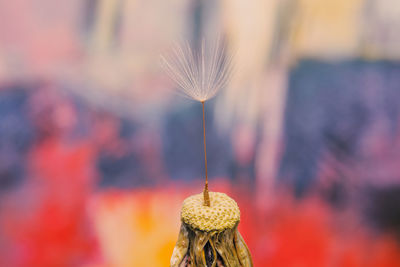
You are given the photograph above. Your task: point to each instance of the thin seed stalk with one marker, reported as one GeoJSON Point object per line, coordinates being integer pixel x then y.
{"type": "Point", "coordinates": [205, 191]}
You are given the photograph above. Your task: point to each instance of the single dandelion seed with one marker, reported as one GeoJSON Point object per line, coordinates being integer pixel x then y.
{"type": "Point", "coordinates": [200, 74]}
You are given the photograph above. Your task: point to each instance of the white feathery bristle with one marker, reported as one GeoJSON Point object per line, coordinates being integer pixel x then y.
{"type": "Point", "coordinates": [199, 74]}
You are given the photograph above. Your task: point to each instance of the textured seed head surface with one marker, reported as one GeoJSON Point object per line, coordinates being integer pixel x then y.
{"type": "Point", "coordinates": [222, 214]}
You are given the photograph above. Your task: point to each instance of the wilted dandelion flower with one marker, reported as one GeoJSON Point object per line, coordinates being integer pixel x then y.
{"type": "Point", "coordinates": [199, 73]}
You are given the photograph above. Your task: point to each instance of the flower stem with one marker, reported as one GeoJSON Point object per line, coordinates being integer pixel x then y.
{"type": "Point", "coordinates": [205, 191]}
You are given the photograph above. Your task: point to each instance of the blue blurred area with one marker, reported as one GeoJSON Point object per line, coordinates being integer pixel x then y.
{"type": "Point", "coordinates": [183, 149]}
{"type": "Point", "coordinates": [16, 135]}
{"type": "Point", "coordinates": [336, 107]}
{"type": "Point", "coordinates": [122, 153]}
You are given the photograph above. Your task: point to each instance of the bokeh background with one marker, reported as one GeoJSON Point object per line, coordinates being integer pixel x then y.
{"type": "Point", "coordinates": [97, 154]}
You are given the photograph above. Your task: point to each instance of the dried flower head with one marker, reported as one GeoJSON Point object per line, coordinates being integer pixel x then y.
{"type": "Point", "coordinates": [209, 235]}
{"type": "Point", "coordinates": [199, 74]}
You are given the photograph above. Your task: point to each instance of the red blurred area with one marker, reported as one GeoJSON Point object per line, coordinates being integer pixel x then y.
{"type": "Point", "coordinates": [67, 226]}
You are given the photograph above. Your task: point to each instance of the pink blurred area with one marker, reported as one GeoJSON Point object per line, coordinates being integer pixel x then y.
{"type": "Point", "coordinates": [97, 155]}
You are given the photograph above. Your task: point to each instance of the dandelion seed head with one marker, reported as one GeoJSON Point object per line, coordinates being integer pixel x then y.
{"type": "Point", "coordinates": [200, 73]}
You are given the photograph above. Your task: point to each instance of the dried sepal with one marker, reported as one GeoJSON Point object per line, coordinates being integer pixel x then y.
{"type": "Point", "coordinates": [215, 248]}
{"type": "Point", "coordinates": [243, 252]}
{"type": "Point", "coordinates": [181, 247]}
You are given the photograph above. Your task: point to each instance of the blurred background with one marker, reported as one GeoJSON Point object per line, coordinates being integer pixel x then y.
{"type": "Point", "coordinates": [97, 154]}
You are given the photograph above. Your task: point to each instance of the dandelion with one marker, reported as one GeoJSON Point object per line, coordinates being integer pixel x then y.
{"type": "Point", "coordinates": [209, 234]}
{"type": "Point", "coordinates": [200, 75]}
